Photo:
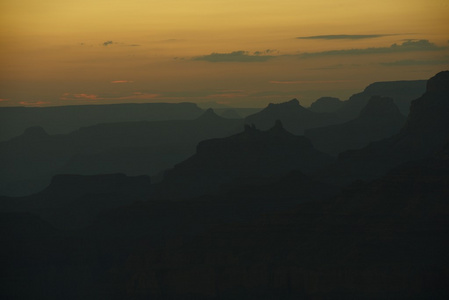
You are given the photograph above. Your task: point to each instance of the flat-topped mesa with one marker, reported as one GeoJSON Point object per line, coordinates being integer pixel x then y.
{"type": "Point", "coordinates": [430, 112]}
{"type": "Point", "coordinates": [380, 107]}
{"type": "Point", "coordinates": [292, 103]}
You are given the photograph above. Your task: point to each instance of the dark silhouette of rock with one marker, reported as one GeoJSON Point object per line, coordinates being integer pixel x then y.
{"type": "Point", "coordinates": [379, 119]}
{"type": "Point", "coordinates": [252, 153]}
{"type": "Point", "coordinates": [326, 105]}
{"type": "Point", "coordinates": [133, 148]}
{"type": "Point", "coordinates": [64, 119]}
{"type": "Point", "coordinates": [262, 237]}
{"type": "Point", "coordinates": [425, 132]}
{"type": "Point", "coordinates": [209, 115]}
{"type": "Point", "coordinates": [294, 117]}
{"type": "Point", "coordinates": [381, 239]}
{"type": "Point", "coordinates": [402, 92]}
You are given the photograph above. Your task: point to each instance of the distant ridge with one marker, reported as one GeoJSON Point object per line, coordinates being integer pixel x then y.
{"type": "Point", "coordinates": [425, 132]}
{"type": "Point", "coordinates": [29, 161]}
{"type": "Point", "coordinates": [209, 115]}
{"type": "Point", "coordinates": [379, 119]}
{"type": "Point", "coordinates": [326, 105]}
{"type": "Point", "coordinates": [63, 119]}
{"type": "Point", "coordinates": [294, 117]}
{"type": "Point", "coordinates": [402, 92]}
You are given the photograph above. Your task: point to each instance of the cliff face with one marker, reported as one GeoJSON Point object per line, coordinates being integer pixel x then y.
{"type": "Point", "coordinates": [429, 114]}
{"type": "Point", "coordinates": [403, 93]}
{"type": "Point", "coordinates": [379, 119]}
{"type": "Point", "coordinates": [425, 132]}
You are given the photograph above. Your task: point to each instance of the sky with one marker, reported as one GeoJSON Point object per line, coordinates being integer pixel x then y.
{"type": "Point", "coordinates": [243, 53]}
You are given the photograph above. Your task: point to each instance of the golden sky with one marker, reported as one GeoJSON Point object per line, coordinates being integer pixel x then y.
{"type": "Point", "coordinates": [243, 53]}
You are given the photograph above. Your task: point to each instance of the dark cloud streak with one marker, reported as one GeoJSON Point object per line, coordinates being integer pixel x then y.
{"type": "Point", "coordinates": [236, 56]}
{"type": "Point", "coordinates": [407, 46]}
{"type": "Point", "coordinates": [263, 56]}
{"type": "Point", "coordinates": [343, 36]}
{"type": "Point", "coordinates": [412, 62]}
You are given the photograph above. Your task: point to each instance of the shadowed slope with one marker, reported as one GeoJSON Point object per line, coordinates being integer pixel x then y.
{"type": "Point", "coordinates": [293, 116]}
{"type": "Point", "coordinates": [425, 132]}
{"type": "Point", "coordinates": [252, 153]}
{"type": "Point", "coordinates": [379, 119]}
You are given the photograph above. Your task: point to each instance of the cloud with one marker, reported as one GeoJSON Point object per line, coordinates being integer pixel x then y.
{"type": "Point", "coordinates": [107, 43]}
{"type": "Point", "coordinates": [4, 100]}
{"type": "Point", "coordinates": [412, 62]}
{"type": "Point", "coordinates": [204, 94]}
{"type": "Point", "coordinates": [407, 46]}
{"type": "Point", "coordinates": [343, 36]}
{"type": "Point", "coordinates": [307, 81]}
{"type": "Point", "coordinates": [122, 81]}
{"type": "Point", "coordinates": [271, 94]}
{"type": "Point", "coordinates": [106, 97]}
{"type": "Point", "coordinates": [236, 56]}
{"type": "Point", "coordinates": [33, 103]}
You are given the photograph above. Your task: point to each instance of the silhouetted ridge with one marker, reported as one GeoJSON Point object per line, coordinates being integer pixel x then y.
{"type": "Point", "coordinates": [402, 92]}
{"type": "Point", "coordinates": [425, 132]}
{"type": "Point", "coordinates": [251, 153]}
{"type": "Point", "coordinates": [294, 117]}
{"type": "Point", "coordinates": [131, 148]}
{"type": "Point", "coordinates": [64, 119]}
{"type": "Point", "coordinates": [230, 114]}
{"type": "Point", "coordinates": [35, 132]}
{"type": "Point", "coordinates": [326, 105]}
{"type": "Point", "coordinates": [380, 107]}
{"type": "Point", "coordinates": [209, 115]}
{"type": "Point", "coordinates": [438, 83]}
{"type": "Point", "coordinates": [379, 119]}
{"type": "Point", "coordinates": [294, 103]}
{"type": "Point", "coordinates": [430, 112]}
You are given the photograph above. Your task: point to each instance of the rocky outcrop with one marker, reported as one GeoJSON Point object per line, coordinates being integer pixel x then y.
{"type": "Point", "coordinates": [326, 105]}
{"type": "Point", "coordinates": [403, 93]}
{"type": "Point", "coordinates": [294, 117]}
{"type": "Point", "coordinates": [252, 153]}
{"type": "Point", "coordinates": [425, 132]}
{"type": "Point", "coordinates": [379, 119]}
